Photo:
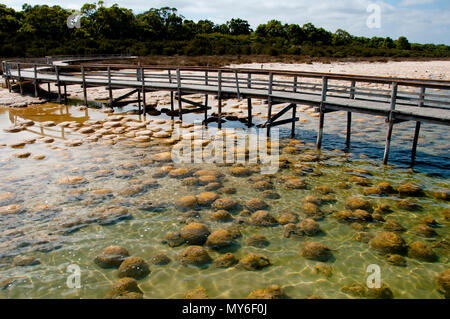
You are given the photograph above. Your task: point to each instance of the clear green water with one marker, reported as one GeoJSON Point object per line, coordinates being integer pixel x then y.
{"type": "Point", "coordinates": [34, 183]}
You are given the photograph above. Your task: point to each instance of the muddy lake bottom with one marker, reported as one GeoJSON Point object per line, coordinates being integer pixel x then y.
{"type": "Point", "coordinates": [50, 221]}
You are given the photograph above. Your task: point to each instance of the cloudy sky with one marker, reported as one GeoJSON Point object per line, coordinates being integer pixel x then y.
{"type": "Point", "coordinates": [422, 21]}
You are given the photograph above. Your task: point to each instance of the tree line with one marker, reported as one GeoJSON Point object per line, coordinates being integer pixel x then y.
{"type": "Point", "coordinates": [41, 30]}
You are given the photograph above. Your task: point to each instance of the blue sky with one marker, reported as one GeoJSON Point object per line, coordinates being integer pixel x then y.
{"type": "Point", "coordinates": [422, 21]}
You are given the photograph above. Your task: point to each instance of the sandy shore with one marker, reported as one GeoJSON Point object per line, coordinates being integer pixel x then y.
{"type": "Point", "coordinates": [436, 70]}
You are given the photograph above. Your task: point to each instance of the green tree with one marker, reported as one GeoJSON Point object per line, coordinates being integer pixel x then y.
{"type": "Point", "coordinates": [402, 43]}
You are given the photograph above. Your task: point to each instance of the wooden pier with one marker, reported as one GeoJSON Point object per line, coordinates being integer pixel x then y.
{"type": "Point", "coordinates": [396, 99]}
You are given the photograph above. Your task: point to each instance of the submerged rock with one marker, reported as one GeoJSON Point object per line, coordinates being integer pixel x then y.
{"type": "Point", "coordinates": [425, 230]}
{"type": "Point", "coordinates": [124, 287]}
{"type": "Point", "coordinates": [186, 202]}
{"type": "Point", "coordinates": [195, 255]}
{"type": "Point", "coordinates": [315, 251]}
{"type": "Point", "coordinates": [253, 262]}
{"type": "Point", "coordinates": [258, 240]}
{"type": "Point", "coordinates": [206, 198]}
{"type": "Point", "coordinates": [195, 233]}
{"type": "Point", "coordinates": [160, 260]}
{"type": "Point", "coordinates": [197, 293]}
{"type": "Point", "coordinates": [173, 239]}
{"type": "Point", "coordinates": [255, 204]}
{"type": "Point", "coordinates": [421, 251]}
{"type": "Point", "coordinates": [111, 256]}
{"type": "Point", "coordinates": [396, 260]}
{"type": "Point", "coordinates": [443, 283]}
{"type": "Point", "coordinates": [287, 218]}
{"type": "Point", "coordinates": [26, 261]}
{"type": "Point", "coordinates": [323, 269]}
{"type": "Point", "coordinates": [219, 239]}
{"type": "Point", "coordinates": [225, 203]}
{"type": "Point", "coordinates": [222, 216]}
{"type": "Point", "coordinates": [387, 242]}
{"type": "Point", "coordinates": [410, 189]}
{"type": "Point", "coordinates": [262, 218]}
{"type": "Point", "coordinates": [393, 225]}
{"type": "Point", "coordinates": [134, 267]}
{"type": "Point", "coordinates": [271, 292]}
{"type": "Point", "coordinates": [226, 260]}
{"type": "Point", "coordinates": [354, 203]}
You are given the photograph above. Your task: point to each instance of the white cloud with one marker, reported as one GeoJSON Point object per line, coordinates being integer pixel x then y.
{"type": "Point", "coordinates": [406, 3]}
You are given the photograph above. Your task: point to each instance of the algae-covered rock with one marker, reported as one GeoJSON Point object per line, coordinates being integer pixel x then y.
{"type": "Point", "coordinates": [123, 287]}
{"type": "Point", "coordinates": [197, 293]}
{"type": "Point", "coordinates": [195, 233]}
{"type": "Point", "coordinates": [134, 267]}
{"type": "Point", "coordinates": [253, 262]}
{"type": "Point", "coordinates": [387, 242]}
{"type": "Point", "coordinates": [111, 256]}
{"type": "Point", "coordinates": [226, 260]}
{"type": "Point", "coordinates": [195, 255]}
{"type": "Point", "coordinates": [315, 251]}
{"type": "Point", "coordinates": [421, 251]}
{"type": "Point", "coordinates": [219, 239]}
{"type": "Point", "coordinates": [271, 292]}
{"type": "Point", "coordinates": [262, 218]}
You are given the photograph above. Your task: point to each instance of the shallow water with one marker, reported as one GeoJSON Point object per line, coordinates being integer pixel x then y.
{"type": "Point", "coordinates": [42, 233]}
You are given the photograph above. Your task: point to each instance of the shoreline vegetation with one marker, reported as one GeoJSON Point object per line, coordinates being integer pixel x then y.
{"type": "Point", "coordinates": [165, 36]}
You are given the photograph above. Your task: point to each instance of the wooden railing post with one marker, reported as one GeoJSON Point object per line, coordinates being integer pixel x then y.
{"type": "Point", "coordinates": [349, 115]}
{"type": "Point", "coordinates": [35, 82]}
{"type": "Point", "coordinates": [83, 76]}
{"type": "Point", "coordinates": [295, 84]}
{"type": "Point", "coordinates": [269, 103]}
{"type": "Point", "coordinates": [237, 85]}
{"type": "Point", "coordinates": [110, 87]}
{"type": "Point", "coordinates": [391, 122]}
{"type": "Point", "coordinates": [322, 111]}
{"type": "Point", "coordinates": [19, 74]}
{"type": "Point", "coordinates": [58, 83]}
{"type": "Point", "coordinates": [206, 99]}
{"type": "Point", "coordinates": [219, 96]}
{"type": "Point", "coordinates": [249, 101]}
{"type": "Point", "coordinates": [180, 106]}
{"type": "Point", "coordinates": [171, 93]}
{"type": "Point", "coordinates": [418, 124]}
{"type": "Point", "coordinates": [144, 101]}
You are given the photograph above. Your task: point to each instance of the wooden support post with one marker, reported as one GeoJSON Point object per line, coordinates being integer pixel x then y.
{"type": "Point", "coordinates": [144, 101]}
{"type": "Point", "coordinates": [238, 92]}
{"type": "Point", "coordinates": [49, 91]}
{"type": "Point", "coordinates": [20, 78]}
{"type": "Point", "coordinates": [180, 105]}
{"type": "Point", "coordinates": [294, 110]}
{"type": "Point", "coordinates": [219, 96]}
{"type": "Point", "coordinates": [417, 130]}
{"type": "Point", "coordinates": [391, 123]}
{"type": "Point", "coordinates": [249, 101]}
{"type": "Point", "coordinates": [269, 103]}
{"type": "Point", "coordinates": [8, 73]}
{"type": "Point", "coordinates": [322, 112]}
{"type": "Point", "coordinates": [349, 116]}
{"type": "Point", "coordinates": [171, 94]}
{"type": "Point", "coordinates": [139, 101]}
{"type": "Point", "coordinates": [295, 84]}
{"type": "Point", "coordinates": [35, 82]}
{"type": "Point", "coordinates": [58, 83]}
{"type": "Point", "coordinates": [83, 75]}
{"type": "Point", "coordinates": [349, 129]}
{"type": "Point", "coordinates": [110, 88]}
{"type": "Point", "coordinates": [206, 99]}
{"type": "Point", "coordinates": [249, 112]}
{"type": "Point", "coordinates": [65, 92]}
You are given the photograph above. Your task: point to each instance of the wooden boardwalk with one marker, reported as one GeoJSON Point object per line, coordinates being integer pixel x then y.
{"type": "Point", "coordinates": [397, 99]}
